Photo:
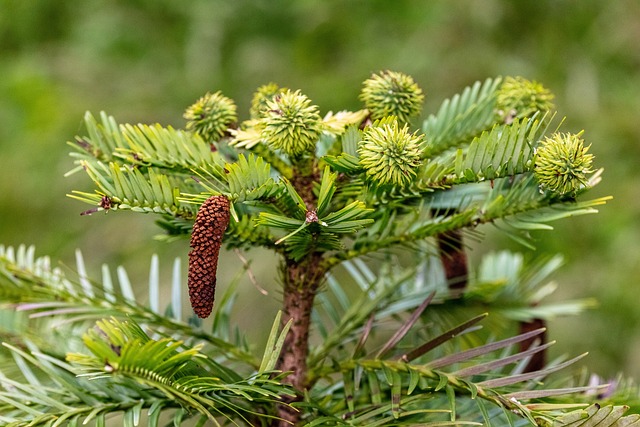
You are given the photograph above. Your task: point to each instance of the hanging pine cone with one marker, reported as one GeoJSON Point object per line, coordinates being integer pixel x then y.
{"type": "Point", "coordinates": [211, 222]}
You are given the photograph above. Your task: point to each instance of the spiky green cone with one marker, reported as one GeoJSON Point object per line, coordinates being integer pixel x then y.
{"type": "Point", "coordinates": [519, 97]}
{"type": "Point", "coordinates": [261, 97]}
{"type": "Point", "coordinates": [291, 124]}
{"type": "Point", "coordinates": [392, 93]}
{"type": "Point", "coordinates": [390, 154]}
{"type": "Point", "coordinates": [562, 163]}
{"type": "Point", "coordinates": [210, 116]}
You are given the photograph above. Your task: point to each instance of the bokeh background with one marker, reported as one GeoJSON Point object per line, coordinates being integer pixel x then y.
{"type": "Point", "coordinates": [146, 60]}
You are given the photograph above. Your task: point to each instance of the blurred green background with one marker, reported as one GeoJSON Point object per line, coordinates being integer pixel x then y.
{"type": "Point", "coordinates": [146, 60]}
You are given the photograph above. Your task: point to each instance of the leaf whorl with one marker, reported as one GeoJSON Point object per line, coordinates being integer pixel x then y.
{"type": "Point", "coordinates": [211, 222]}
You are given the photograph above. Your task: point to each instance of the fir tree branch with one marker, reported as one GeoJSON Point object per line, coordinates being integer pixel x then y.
{"type": "Point", "coordinates": [461, 117]}
{"type": "Point", "coordinates": [144, 146]}
{"type": "Point", "coordinates": [504, 151]}
{"type": "Point", "coordinates": [519, 205]}
{"type": "Point", "coordinates": [131, 189]}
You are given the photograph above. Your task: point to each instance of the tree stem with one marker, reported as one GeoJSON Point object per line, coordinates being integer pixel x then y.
{"type": "Point", "coordinates": [453, 256]}
{"type": "Point", "coordinates": [539, 360]}
{"type": "Point", "coordinates": [454, 260]}
{"type": "Point", "coordinates": [301, 282]}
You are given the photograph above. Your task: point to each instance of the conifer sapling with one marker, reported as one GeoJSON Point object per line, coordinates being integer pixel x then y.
{"type": "Point", "coordinates": [325, 193]}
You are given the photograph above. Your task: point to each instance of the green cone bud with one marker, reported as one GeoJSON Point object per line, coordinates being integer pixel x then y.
{"type": "Point", "coordinates": [262, 95]}
{"type": "Point", "coordinates": [562, 163]}
{"type": "Point", "coordinates": [211, 116]}
{"type": "Point", "coordinates": [519, 97]}
{"type": "Point", "coordinates": [391, 93]}
{"type": "Point", "coordinates": [291, 123]}
{"type": "Point", "coordinates": [390, 154]}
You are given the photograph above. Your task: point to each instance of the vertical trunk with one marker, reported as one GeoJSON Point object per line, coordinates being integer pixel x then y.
{"type": "Point", "coordinates": [538, 360]}
{"type": "Point", "coordinates": [301, 282]}
{"type": "Point", "coordinates": [454, 260]}
{"type": "Point", "coordinates": [452, 255]}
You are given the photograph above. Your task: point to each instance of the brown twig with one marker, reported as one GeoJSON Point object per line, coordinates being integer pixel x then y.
{"type": "Point", "coordinates": [252, 277]}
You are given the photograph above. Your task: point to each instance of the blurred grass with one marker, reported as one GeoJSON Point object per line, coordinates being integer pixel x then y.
{"type": "Point", "coordinates": [146, 60]}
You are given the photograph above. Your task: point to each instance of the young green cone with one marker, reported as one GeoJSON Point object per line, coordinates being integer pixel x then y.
{"type": "Point", "coordinates": [391, 93]}
{"type": "Point", "coordinates": [562, 163]}
{"type": "Point", "coordinates": [291, 123]}
{"type": "Point", "coordinates": [210, 116]}
{"type": "Point", "coordinates": [389, 153]}
{"type": "Point", "coordinates": [263, 94]}
{"type": "Point", "coordinates": [519, 97]}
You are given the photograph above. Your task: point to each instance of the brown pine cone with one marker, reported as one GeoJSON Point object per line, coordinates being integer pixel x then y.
{"type": "Point", "coordinates": [211, 222]}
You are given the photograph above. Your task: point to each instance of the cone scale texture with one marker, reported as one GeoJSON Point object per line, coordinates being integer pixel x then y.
{"type": "Point", "coordinates": [206, 239]}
